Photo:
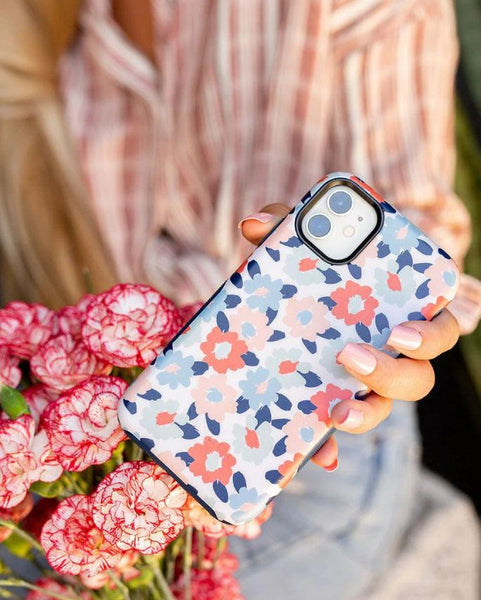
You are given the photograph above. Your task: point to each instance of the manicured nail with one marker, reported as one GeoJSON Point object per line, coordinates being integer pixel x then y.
{"type": "Point", "coordinates": [405, 338]}
{"type": "Point", "coordinates": [260, 217]}
{"type": "Point", "coordinates": [332, 467]}
{"type": "Point", "coordinates": [353, 419]}
{"type": "Point", "coordinates": [357, 358]}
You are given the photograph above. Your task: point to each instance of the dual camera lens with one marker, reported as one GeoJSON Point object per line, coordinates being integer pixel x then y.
{"type": "Point", "coordinates": [339, 203]}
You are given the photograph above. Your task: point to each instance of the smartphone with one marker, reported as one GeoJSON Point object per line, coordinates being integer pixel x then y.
{"type": "Point", "coordinates": [241, 398]}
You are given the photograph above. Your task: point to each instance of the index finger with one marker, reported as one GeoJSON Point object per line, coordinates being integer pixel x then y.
{"type": "Point", "coordinates": [256, 226]}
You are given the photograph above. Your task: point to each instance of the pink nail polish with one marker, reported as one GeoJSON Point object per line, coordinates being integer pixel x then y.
{"type": "Point", "coordinates": [357, 359]}
{"type": "Point", "coordinates": [353, 419]}
{"type": "Point", "coordinates": [405, 338]}
{"type": "Point", "coordinates": [260, 217]}
{"type": "Point", "coordinates": [332, 467]}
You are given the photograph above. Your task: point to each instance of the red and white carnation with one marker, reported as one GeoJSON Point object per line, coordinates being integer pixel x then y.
{"type": "Point", "coordinates": [50, 585]}
{"type": "Point", "coordinates": [63, 362]}
{"type": "Point", "coordinates": [38, 397]}
{"type": "Point", "coordinates": [17, 461]}
{"type": "Point", "coordinates": [252, 529]}
{"type": "Point", "coordinates": [15, 515]}
{"type": "Point", "coordinates": [82, 424]}
{"type": "Point", "coordinates": [10, 374]}
{"type": "Point", "coordinates": [128, 324]}
{"type": "Point", "coordinates": [124, 569]}
{"type": "Point", "coordinates": [211, 584]}
{"type": "Point", "coordinates": [72, 542]}
{"type": "Point", "coordinates": [139, 506]}
{"type": "Point", "coordinates": [69, 319]}
{"type": "Point", "coordinates": [196, 516]}
{"type": "Point", "coordinates": [24, 459]}
{"type": "Point", "coordinates": [25, 327]}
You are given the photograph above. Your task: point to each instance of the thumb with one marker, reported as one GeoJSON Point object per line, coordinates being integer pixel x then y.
{"type": "Point", "coordinates": [256, 226]}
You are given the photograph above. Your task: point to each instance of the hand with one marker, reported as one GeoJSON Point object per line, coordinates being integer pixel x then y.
{"type": "Point", "coordinates": [408, 378]}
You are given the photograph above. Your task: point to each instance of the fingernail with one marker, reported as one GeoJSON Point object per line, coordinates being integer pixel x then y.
{"type": "Point", "coordinates": [357, 358]}
{"type": "Point", "coordinates": [332, 467]}
{"type": "Point", "coordinates": [405, 338]}
{"type": "Point", "coordinates": [260, 217]}
{"type": "Point", "coordinates": [353, 419]}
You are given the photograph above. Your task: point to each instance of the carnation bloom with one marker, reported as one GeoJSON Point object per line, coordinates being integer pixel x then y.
{"type": "Point", "coordinates": [197, 516]}
{"type": "Point", "coordinates": [72, 542]}
{"type": "Point", "coordinates": [63, 362]}
{"type": "Point", "coordinates": [25, 327]}
{"type": "Point", "coordinates": [38, 397]}
{"type": "Point", "coordinates": [50, 585]}
{"type": "Point", "coordinates": [123, 569]}
{"type": "Point", "coordinates": [15, 514]}
{"type": "Point", "coordinates": [24, 459]}
{"type": "Point", "coordinates": [10, 374]}
{"type": "Point", "coordinates": [128, 324]}
{"type": "Point", "coordinates": [69, 319]}
{"type": "Point", "coordinates": [139, 506]}
{"type": "Point", "coordinates": [213, 554]}
{"type": "Point", "coordinates": [213, 584]}
{"type": "Point", "coordinates": [82, 424]}
{"type": "Point", "coordinates": [17, 461]}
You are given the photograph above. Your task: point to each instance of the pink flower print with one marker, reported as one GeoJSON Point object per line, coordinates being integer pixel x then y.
{"type": "Point", "coordinates": [303, 431]}
{"type": "Point", "coordinates": [306, 318]}
{"type": "Point", "coordinates": [251, 325]}
{"type": "Point", "coordinates": [223, 350]}
{"type": "Point", "coordinates": [215, 397]}
{"type": "Point", "coordinates": [442, 278]}
{"type": "Point", "coordinates": [354, 304]}
{"type": "Point", "coordinates": [327, 400]}
{"type": "Point", "coordinates": [212, 461]}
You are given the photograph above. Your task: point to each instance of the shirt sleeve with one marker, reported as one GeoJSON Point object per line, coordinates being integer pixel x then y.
{"type": "Point", "coordinates": [393, 124]}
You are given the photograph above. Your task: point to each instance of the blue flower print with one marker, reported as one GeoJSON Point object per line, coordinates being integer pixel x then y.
{"type": "Point", "coordinates": [285, 364]}
{"type": "Point", "coordinates": [393, 286]}
{"type": "Point", "coordinates": [176, 369]}
{"type": "Point", "coordinates": [400, 235]}
{"type": "Point", "coordinates": [253, 442]}
{"type": "Point", "coordinates": [263, 292]}
{"type": "Point", "coordinates": [259, 388]}
{"type": "Point", "coordinates": [217, 304]}
{"type": "Point", "coordinates": [158, 419]}
{"type": "Point", "coordinates": [249, 503]}
{"type": "Point", "coordinates": [303, 270]}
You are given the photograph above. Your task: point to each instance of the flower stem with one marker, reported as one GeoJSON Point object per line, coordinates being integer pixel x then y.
{"type": "Point", "coordinates": [14, 582]}
{"type": "Point", "coordinates": [201, 549]}
{"type": "Point", "coordinates": [75, 486]}
{"type": "Point", "coordinates": [188, 563]}
{"type": "Point", "coordinates": [137, 452]}
{"type": "Point", "coordinates": [23, 534]}
{"type": "Point", "coordinates": [120, 584]}
{"type": "Point", "coordinates": [164, 586]}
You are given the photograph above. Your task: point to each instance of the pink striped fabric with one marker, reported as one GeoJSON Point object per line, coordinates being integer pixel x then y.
{"type": "Point", "coordinates": [249, 103]}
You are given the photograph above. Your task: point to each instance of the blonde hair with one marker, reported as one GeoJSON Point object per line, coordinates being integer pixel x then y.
{"type": "Point", "coordinates": [50, 243]}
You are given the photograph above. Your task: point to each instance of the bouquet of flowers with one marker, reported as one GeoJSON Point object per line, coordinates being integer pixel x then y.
{"type": "Point", "coordinates": [78, 499]}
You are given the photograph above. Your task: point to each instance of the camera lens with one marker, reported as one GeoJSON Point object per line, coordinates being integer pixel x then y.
{"type": "Point", "coordinates": [319, 226]}
{"type": "Point", "coordinates": [340, 202]}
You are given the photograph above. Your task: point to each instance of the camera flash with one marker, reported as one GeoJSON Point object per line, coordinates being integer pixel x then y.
{"type": "Point", "coordinates": [349, 231]}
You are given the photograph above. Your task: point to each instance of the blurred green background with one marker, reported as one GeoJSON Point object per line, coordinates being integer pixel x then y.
{"type": "Point", "coordinates": [468, 172]}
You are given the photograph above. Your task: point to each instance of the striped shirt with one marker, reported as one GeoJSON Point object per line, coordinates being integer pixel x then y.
{"type": "Point", "coordinates": [250, 102]}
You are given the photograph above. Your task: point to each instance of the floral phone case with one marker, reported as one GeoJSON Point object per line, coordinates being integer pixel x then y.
{"type": "Point", "coordinates": [241, 398]}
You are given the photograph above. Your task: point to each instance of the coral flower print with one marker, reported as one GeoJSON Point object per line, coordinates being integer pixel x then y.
{"type": "Point", "coordinates": [82, 424]}
{"type": "Point", "coordinates": [139, 506]}
{"type": "Point", "coordinates": [223, 350]}
{"type": "Point", "coordinates": [10, 374]}
{"type": "Point", "coordinates": [128, 324]}
{"type": "Point", "coordinates": [306, 318]}
{"type": "Point", "coordinates": [325, 401]}
{"type": "Point", "coordinates": [212, 460]}
{"type": "Point", "coordinates": [64, 362]}
{"type": "Point", "coordinates": [215, 397]}
{"type": "Point", "coordinates": [17, 461]}
{"type": "Point", "coordinates": [354, 304]}
{"type": "Point", "coordinates": [73, 544]}
{"type": "Point", "coordinates": [25, 327]}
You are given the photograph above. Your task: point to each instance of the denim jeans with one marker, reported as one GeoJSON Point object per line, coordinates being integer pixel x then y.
{"type": "Point", "coordinates": [332, 533]}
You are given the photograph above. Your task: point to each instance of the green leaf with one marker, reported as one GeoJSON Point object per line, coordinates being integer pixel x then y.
{"type": "Point", "coordinates": [18, 546]}
{"type": "Point", "coordinates": [13, 402]}
{"type": "Point", "coordinates": [48, 490]}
